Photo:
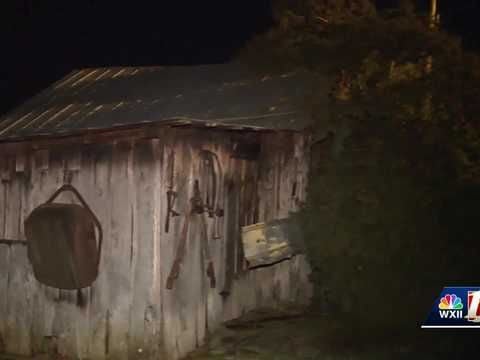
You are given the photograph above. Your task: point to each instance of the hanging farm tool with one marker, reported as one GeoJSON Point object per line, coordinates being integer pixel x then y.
{"type": "Point", "coordinates": [211, 173]}
{"type": "Point", "coordinates": [171, 194]}
{"type": "Point", "coordinates": [205, 199]}
{"type": "Point", "coordinates": [197, 210]}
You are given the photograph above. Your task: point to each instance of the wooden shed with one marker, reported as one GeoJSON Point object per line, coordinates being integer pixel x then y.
{"type": "Point", "coordinates": [150, 150]}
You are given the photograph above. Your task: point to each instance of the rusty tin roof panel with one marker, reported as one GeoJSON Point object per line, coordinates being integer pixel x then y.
{"type": "Point", "coordinates": [228, 95]}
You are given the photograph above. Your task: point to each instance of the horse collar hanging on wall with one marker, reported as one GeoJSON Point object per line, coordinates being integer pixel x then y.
{"type": "Point", "coordinates": [62, 246]}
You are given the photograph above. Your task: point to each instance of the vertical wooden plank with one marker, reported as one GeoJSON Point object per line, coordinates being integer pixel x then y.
{"type": "Point", "coordinates": [249, 195]}
{"type": "Point", "coordinates": [267, 161]}
{"type": "Point", "coordinates": [11, 335]}
{"type": "Point", "coordinates": [191, 286]}
{"type": "Point", "coordinates": [4, 266]}
{"type": "Point", "coordinates": [168, 242]}
{"type": "Point", "coordinates": [97, 161]}
{"type": "Point", "coordinates": [232, 221]}
{"type": "Point", "coordinates": [24, 161]}
{"type": "Point", "coordinates": [202, 238]}
{"type": "Point", "coordinates": [287, 169]}
{"type": "Point", "coordinates": [18, 314]}
{"type": "Point", "coordinates": [3, 204]}
{"type": "Point", "coordinates": [119, 251]}
{"type": "Point", "coordinates": [12, 209]}
{"type": "Point", "coordinates": [143, 312]}
{"type": "Point", "coordinates": [30, 285]}
{"type": "Point", "coordinates": [42, 317]}
{"type": "Point", "coordinates": [153, 316]}
{"type": "Point", "coordinates": [217, 246]}
{"type": "Point", "coordinates": [19, 305]}
{"type": "Point", "coordinates": [277, 161]}
{"type": "Point", "coordinates": [187, 285]}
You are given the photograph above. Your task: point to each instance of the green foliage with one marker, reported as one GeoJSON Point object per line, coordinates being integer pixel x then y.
{"type": "Point", "coordinates": [388, 220]}
{"type": "Point", "coordinates": [324, 11]}
{"type": "Point", "coordinates": [387, 225]}
{"type": "Point", "coordinates": [395, 67]}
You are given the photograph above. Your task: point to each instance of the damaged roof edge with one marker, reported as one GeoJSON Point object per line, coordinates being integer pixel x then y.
{"type": "Point", "coordinates": [138, 127]}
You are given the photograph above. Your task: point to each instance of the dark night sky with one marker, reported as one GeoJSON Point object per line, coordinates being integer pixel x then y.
{"type": "Point", "coordinates": [43, 40]}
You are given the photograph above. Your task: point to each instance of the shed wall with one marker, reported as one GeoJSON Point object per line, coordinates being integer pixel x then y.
{"type": "Point", "coordinates": [128, 313]}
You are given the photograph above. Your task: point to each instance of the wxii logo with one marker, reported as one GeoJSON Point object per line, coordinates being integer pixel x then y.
{"type": "Point", "coordinates": [450, 307]}
{"type": "Point", "coordinates": [456, 307]}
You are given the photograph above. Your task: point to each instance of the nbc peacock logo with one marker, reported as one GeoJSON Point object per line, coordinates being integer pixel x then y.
{"type": "Point", "coordinates": [450, 307]}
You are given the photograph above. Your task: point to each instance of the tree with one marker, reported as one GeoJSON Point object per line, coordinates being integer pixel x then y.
{"type": "Point", "coordinates": [384, 205]}
{"type": "Point", "coordinates": [322, 11]}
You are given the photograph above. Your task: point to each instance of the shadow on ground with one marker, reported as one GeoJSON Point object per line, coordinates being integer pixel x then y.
{"type": "Point", "coordinates": [266, 336]}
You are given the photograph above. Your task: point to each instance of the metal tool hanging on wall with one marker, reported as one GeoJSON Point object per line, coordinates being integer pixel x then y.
{"type": "Point", "coordinates": [211, 171]}
{"type": "Point", "coordinates": [205, 199]}
{"type": "Point", "coordinates": [171, 194]}
{"type": "Point", "coordinates": [62, 245]}
{"type": "Point", "coordinates": [197, 210]}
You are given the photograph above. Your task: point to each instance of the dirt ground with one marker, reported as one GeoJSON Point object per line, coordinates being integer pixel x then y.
{"type": "Point", "coordinates": [311, 336]}
{"type": "Point", "coordinates": [296, 334]}
{"type": "Point", "coordinates": [293, 337]}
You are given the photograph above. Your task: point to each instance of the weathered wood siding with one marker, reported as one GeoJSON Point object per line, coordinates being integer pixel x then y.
{"type": "Point", "coordinates": [128, 313]}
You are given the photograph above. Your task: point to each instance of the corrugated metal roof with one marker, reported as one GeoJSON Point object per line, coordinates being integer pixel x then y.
{"type": "Point", "coordinates": [106, 98]}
